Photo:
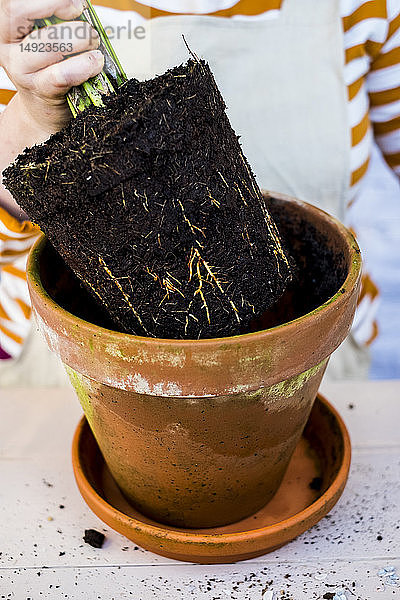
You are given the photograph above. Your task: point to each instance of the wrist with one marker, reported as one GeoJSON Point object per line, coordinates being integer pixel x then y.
{"type": "Point", "coordinates": [29, 128]}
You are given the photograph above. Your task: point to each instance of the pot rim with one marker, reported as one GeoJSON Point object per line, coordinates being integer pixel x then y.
{"type": "Point", "coordinates": [33, 273]}
{"type": "Point", "coordinates": [186, 537]}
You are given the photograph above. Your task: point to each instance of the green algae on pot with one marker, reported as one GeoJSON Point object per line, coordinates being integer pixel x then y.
{"type": "Point", "coordinates": [83, 394]}
{"type": "Point", "coordinates": [199, 433]}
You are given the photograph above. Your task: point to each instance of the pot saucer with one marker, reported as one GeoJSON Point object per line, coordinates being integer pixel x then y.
{"type": "Point", "coordinates": [314, 482]}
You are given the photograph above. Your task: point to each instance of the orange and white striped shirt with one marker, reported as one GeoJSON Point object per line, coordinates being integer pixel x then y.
{"type": "Point", "coordinates": [16, 239]}
{"type": "Point", "coordinates": [371, 44]}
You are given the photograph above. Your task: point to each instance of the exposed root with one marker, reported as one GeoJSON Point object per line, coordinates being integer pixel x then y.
{"type": "Point", "coordinates": [123, 195]}
{"type": "Point", "coordinates": [169, 284]}
{"type": "Point", "coordinates": [246, 238]}
{"type": "Point", "coordinates": [196, 263]}
{"type": "Point", "coordinates": [125, 296]}
{"type": "Point", "coordinates": [85, 281]}
{"type": "Point", "coordinates": [215, 202]}
{"type": "Point", "coordinates": [223, 179]}
{"type": "Point", "coordinates": [241, 194]}
{"type": "Point", "coordinates": [189, 316]}
{"type": "Point", "coordinates": [193, 228]}
{"type": "Point", "coordinates": [170, 288]}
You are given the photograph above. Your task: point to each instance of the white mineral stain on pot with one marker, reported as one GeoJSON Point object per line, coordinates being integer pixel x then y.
{"type": "Point", "coordinates": [113, 350]}
{"type": "Point", "coordinates": [239, 389]}
{"type": "Point", "coordinates": [244, 360]}
{"type": "Point", "coordinates": [177, 360]}
{"type": "Point", "coordinates": [142, 356]}
{"type": "Point", "coordinates": [136, 382]}
{"type": "Point", "coordinates": [205, 360]}
{"type": "Point", "coordinates": [176, 428]}
{"type": "Point", "coordinates": [139, 384]}
{"type": "Point", "coordinates": [192, 401]}
{"type": "Point", "coordinates": [170, 390]}
{"type": "Point", "coordinates": [50, 335]}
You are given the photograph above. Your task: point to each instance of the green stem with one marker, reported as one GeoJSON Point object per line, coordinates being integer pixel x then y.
{"type": "Point", "coordinates": [120, 74]}
{"type": "Point", "coordinates": [112, 77]}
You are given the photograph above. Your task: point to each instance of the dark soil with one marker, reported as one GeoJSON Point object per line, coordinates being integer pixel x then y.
{"type": "Point", "coordinates": [316, 484]}
{"type": "Point", "coordinates": [321, 272]}
{"type": "Point", "coordinates": [94, 538]}
{"type": "Point", "coordinates": [153, 205]}
{"type": "Point", "coordinates": [321, 268]}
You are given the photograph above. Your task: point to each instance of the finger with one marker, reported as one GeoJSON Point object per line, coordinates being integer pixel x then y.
{"type": "Point", "coordinates": [50, 45]}
{"type": "Point", "coordinates": [58, 79]}
{"type": "Point", "coordinates": [17, 17]}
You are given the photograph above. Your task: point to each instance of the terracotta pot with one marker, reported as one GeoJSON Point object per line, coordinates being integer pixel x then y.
{"type": "Point", "coordinates": [200, 433]}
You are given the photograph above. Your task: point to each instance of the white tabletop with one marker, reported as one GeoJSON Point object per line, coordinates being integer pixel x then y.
{"type": "Point", "coordinates": [43, 518]}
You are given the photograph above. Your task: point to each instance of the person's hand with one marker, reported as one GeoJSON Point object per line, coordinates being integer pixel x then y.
{"type": "Point", "coordinates": [44, 64]}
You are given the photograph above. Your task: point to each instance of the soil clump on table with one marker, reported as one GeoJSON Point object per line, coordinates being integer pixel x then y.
{"type": "Point", "coordinates": [94, 538]}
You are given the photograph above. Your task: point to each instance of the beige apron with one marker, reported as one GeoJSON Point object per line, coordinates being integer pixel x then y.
{"type": "Point", "coordinates": [283, 83]}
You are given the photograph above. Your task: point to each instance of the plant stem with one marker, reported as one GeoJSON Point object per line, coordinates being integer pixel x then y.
{"type": "Point", "coordinates": [111, 78]}
{"type": "Point", "coordinates": [115, 65]}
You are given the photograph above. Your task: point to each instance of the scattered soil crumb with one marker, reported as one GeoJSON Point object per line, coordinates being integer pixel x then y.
{"type": "Point", "coordinates": [94, 538]}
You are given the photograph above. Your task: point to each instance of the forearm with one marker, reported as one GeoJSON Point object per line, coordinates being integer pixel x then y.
{"type": "Point", "coordinates": [17, 131]}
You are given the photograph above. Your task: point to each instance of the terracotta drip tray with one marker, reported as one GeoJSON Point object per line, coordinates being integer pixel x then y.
{"type": "Point", "coordinates": [313, 484]}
